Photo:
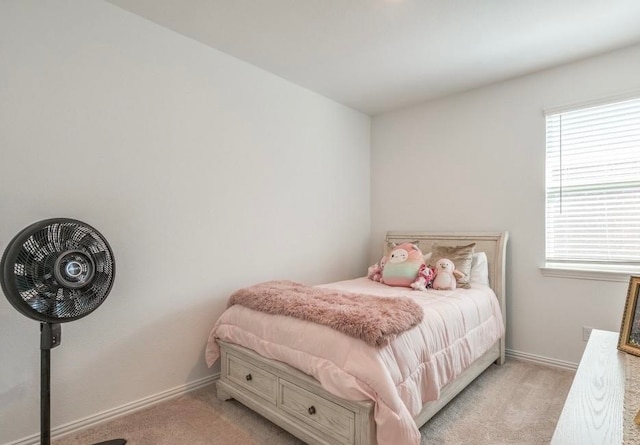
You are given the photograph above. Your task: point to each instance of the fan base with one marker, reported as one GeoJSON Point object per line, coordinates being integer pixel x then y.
{"type": "Point", "coordinates": [112, 442]}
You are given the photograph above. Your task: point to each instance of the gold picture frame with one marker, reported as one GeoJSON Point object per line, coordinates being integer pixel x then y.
{"type": "Point", "coordinates": [629, 340]}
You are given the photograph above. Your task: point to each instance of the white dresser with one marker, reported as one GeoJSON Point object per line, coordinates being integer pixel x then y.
{"type": "Point", "coordinates": [593, 411]}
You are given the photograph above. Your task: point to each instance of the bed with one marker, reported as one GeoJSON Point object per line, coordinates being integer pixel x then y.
{"type": "Point", "coordinates": [325, 387]}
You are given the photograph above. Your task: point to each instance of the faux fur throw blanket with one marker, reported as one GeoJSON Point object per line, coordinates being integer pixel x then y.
{"type": "Point", "coordinates": [376, 320]}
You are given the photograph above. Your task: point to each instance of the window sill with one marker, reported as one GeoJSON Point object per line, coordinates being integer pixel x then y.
{"type": "Point", "coordinates": [581, 272]}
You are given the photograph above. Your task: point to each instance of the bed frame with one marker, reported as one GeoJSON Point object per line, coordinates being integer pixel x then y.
{"type": "Point", "coordinates": [298, 403]}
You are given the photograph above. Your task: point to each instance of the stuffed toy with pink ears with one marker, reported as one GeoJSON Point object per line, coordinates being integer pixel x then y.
{"type": "Point", "coordinates": [424, 279]}
{"type": "Point", "coordinates": [403, 266]}
{"type": "Point", "coordinates": [403, 263]}
{"type": "Point", "coordinates": [446, 275]}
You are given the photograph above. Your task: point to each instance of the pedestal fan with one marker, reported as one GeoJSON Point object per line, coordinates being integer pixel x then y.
{"type": "Point", "coordinates": [55, 271]}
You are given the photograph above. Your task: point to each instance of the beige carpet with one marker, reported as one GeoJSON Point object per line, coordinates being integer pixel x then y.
{"type": "Point", "coordinates": [518, 403]}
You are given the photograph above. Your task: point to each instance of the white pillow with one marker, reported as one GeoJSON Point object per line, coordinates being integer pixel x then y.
{"type": "Point", "coordinates": [479, 268]}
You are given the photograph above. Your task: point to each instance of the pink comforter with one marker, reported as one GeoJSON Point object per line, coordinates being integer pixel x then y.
{"type": "Point", "coordinates": [458, 327]}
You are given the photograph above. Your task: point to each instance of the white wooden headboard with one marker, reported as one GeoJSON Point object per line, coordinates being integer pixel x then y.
{"type": "Point", "coordinates": [493, 244]}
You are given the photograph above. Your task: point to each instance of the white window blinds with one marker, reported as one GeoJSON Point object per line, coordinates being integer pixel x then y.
{"type": "Point", "coordinates": [593, 185]}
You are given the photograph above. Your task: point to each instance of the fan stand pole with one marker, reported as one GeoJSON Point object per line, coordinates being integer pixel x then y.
{"type": "Point", "coordinates": [50, 337]}
{"type": "Point", "coordinates": [45, 396]}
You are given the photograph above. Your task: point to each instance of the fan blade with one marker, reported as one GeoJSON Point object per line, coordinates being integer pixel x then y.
{"type": "Point", "coordinates": [103, 262]}
{"type": "Point", "coordinates": [100, 259]}
{"type": "Point", "coordinates": [101, 278]}
{"type": "Point", "coordinates": [65, 293]}
{"type": "Point", "coordinates": [86, 300]}
{"type": "Point", "coordinates": [24, 283]}
{"type": "Point", "coordinates": [64, 309]}
{"type": "Point", "coordinates": [43, 243]}
{"type": "Point", "coordinates": [26, 259]}
{"type": "Point", "coordinates": [88, 241]}
{"type": "Point", "coordinates": [41, 305]}
{"type": "Point", "coordinates": [95, 246]}
{"type": "Point", "coordinates": [32, 268]}
{"type": "Point", "coordinates": [29, 295]}
{"type": "Point", "coordinates": [65, 233]}
{"type": "Point", "coordinates": [57, 237]}
{"type": "Point", "coordinates": [41, 236]}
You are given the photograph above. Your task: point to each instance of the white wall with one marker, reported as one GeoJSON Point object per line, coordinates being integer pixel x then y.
{"type": "Point", "coordinates": [475, 161]}
{"type": "Point", "coordinates": [204, 173]}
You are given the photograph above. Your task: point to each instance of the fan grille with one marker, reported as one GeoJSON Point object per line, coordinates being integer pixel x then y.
{"type": "Point", "coordinates": [57, 270]}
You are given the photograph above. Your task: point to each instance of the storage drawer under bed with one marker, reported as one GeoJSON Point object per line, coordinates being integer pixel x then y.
{"type": "Point", "coordinates": [293, 400]}
{"type": "Point", "coordinates": [316, 411]}
{"type": "Point", "coordinates": [252, 378]}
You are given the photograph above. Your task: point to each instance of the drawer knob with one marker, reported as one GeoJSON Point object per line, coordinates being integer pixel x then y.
{"type": "Point", "coordinates": [312, 410]}
{"type": "Point", "coordinates": [248, 377]}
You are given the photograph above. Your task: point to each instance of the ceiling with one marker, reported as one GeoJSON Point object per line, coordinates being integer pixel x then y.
{"type": "Point", "coordinates": [379, 55]}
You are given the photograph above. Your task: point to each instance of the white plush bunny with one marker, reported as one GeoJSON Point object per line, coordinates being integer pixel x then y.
{"type": "Point", "coordinates": [446, 274]}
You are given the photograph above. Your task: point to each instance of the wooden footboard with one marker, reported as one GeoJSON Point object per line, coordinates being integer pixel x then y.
{"type": "Point", "coordinates": [298, 404]}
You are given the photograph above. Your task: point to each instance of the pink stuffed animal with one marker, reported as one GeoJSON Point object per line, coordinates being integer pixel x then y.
{"type": "Point", "coordinates": [375, 272]}
{"type": "Point", "coordinates": [446, 274]}
{"type": "Point", "coordinates": [404, 266]}
{"type": "Point", "coordinates": [424, 279]}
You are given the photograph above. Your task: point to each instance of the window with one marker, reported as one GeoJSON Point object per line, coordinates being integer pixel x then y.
{"type": "Point", "coordinates": [593, 187]}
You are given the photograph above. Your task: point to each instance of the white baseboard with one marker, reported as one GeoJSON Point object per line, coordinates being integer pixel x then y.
{"type": "Point", "coordinates": [121, 410]}
{"type": "Point", "coordinates": [541, 360]}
